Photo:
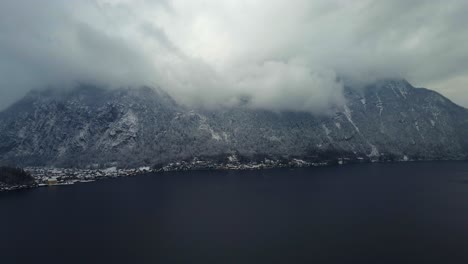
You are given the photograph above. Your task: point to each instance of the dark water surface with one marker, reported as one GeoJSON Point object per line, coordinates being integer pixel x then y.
{"type": "Point", "coordinates": [366, 213]}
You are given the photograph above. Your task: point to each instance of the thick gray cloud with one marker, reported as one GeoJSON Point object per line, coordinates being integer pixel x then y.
{"type": "Point", "coordinates": [282, 54]}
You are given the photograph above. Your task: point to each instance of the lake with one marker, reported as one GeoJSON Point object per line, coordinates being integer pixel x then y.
{"type": "Point", "coordinates": [363, 213]}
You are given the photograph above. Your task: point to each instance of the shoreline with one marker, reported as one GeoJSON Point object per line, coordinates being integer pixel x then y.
{"type": "Point", "coordinates": [48, 176]}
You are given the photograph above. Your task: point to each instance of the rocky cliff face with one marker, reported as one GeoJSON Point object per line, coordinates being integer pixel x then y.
{"type": "Point", "coordinates": [136, 127]}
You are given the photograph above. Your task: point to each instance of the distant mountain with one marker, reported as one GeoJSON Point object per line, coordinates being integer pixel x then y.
{"type": "Point", "coordinates": [389, 120]}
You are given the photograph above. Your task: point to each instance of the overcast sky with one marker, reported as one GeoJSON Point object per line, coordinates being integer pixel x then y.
{"type": "Point", "coordinates": [283, 54]}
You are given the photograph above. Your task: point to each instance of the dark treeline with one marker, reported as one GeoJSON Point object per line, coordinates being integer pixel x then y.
{"type": "Point", "coordinates": [15, 176]}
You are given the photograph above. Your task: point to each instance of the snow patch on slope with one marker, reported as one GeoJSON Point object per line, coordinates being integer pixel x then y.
{"type": "Point", "coordinates": [327, 132]}
{"type": "Point", "coordinates": [206, 127]}
{"type": "Point", "coordinates": [347, 113]}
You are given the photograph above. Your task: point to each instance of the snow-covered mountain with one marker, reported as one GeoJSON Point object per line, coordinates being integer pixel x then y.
{"type": "Point", "coordinates": [137, 127]}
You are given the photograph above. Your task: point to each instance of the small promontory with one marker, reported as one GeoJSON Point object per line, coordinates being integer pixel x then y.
{"type": "Point", "coordinates": [10, 176]}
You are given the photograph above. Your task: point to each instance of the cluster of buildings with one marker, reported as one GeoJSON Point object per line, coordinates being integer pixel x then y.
{"type": "Point", "coordinates": [66, 176]}
{"type": "Point", "coordinates": [234, 164]}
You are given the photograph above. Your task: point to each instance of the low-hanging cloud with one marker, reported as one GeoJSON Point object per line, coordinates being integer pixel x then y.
{"type": "Point", "coordinates": [279, 54]}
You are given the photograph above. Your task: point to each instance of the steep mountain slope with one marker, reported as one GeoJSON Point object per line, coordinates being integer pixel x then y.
{"type": "Point", "coordinates": [134, 127]}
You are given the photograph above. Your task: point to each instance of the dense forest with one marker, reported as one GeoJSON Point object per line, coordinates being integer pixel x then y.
{"type": "Point", "coordinates": [15, 176]}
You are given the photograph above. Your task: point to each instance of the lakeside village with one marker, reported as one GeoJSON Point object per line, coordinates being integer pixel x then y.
{"type": "Point", "coordinates": [44, 176]}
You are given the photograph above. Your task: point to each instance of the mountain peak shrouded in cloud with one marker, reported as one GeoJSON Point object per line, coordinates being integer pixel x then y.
{"type": "Point", "coordinates": [281, 55]}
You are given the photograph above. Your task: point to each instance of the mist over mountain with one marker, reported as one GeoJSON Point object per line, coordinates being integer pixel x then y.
{"type": "Point", "coordinates": [388, 120]}
{"type": "Point", "coordinates": [283, 55]}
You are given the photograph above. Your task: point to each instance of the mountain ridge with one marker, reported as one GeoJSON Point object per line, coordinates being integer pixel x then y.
{"type": "Point", "coordinates": [387, 120]}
